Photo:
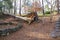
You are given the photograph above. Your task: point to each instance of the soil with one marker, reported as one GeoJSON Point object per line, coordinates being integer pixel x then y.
{"type": "Point", "coordinates": [8, 22]}
{"type": "Point", "coordinates": [34, 31]}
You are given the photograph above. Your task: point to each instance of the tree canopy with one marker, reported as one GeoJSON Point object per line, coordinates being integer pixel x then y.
{"type": "Point", "coordinates": [5, 3]}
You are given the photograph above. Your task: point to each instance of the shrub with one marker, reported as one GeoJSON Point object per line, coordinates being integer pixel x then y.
{"type": "Point", "coordinates": [47, 12]}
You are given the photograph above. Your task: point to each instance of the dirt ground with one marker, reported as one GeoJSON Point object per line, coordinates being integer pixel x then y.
{"type": "Point", "coordinates": [34, 31]}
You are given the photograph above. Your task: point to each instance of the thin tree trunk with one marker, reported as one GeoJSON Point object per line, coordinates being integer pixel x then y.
{"type": "Point", "coordinates": [58, 6]}
{"type": "Point", "coordinates": [20, 8]}
{"type": "Point", "coordinates": [43, 7]}
{"type": "Point", "coordinates": [43, 11]}
{"type": "Point", "coordinates": [36, 15]}
{"type": "Point", "coordinates": [51, 16]}
{"type": "Point", "coordinates": [9, 10]}
{"type": "Point", "coordinates": [14, 7]}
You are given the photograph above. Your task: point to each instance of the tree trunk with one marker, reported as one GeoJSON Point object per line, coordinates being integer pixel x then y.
{"type": "Point", "coordinates": [9, 10]}
{"type": "Point", "coordinates": [51, 16]}
{"type": "Point", "coordinates": [43, 11]}
{"type": "Point", "coordinates": [20, 8]}
{"type": "Point", "coordinates": [14, 7]}
{"type": "Point", "coordinates": [36, 17]}
{"type": "Point", "coordinates": [58, 6]}
{"type": "Point", "coordinates": [43, 7]}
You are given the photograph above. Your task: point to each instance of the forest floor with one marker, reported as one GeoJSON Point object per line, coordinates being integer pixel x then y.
{"type": "Point", "coordinates": [34, 31]}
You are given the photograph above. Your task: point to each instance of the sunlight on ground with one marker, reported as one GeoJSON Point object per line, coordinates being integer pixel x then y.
{"type": "Point", "coordinates": [55, 18]}
{"type": "Point", "coordinates": [37, 35]}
